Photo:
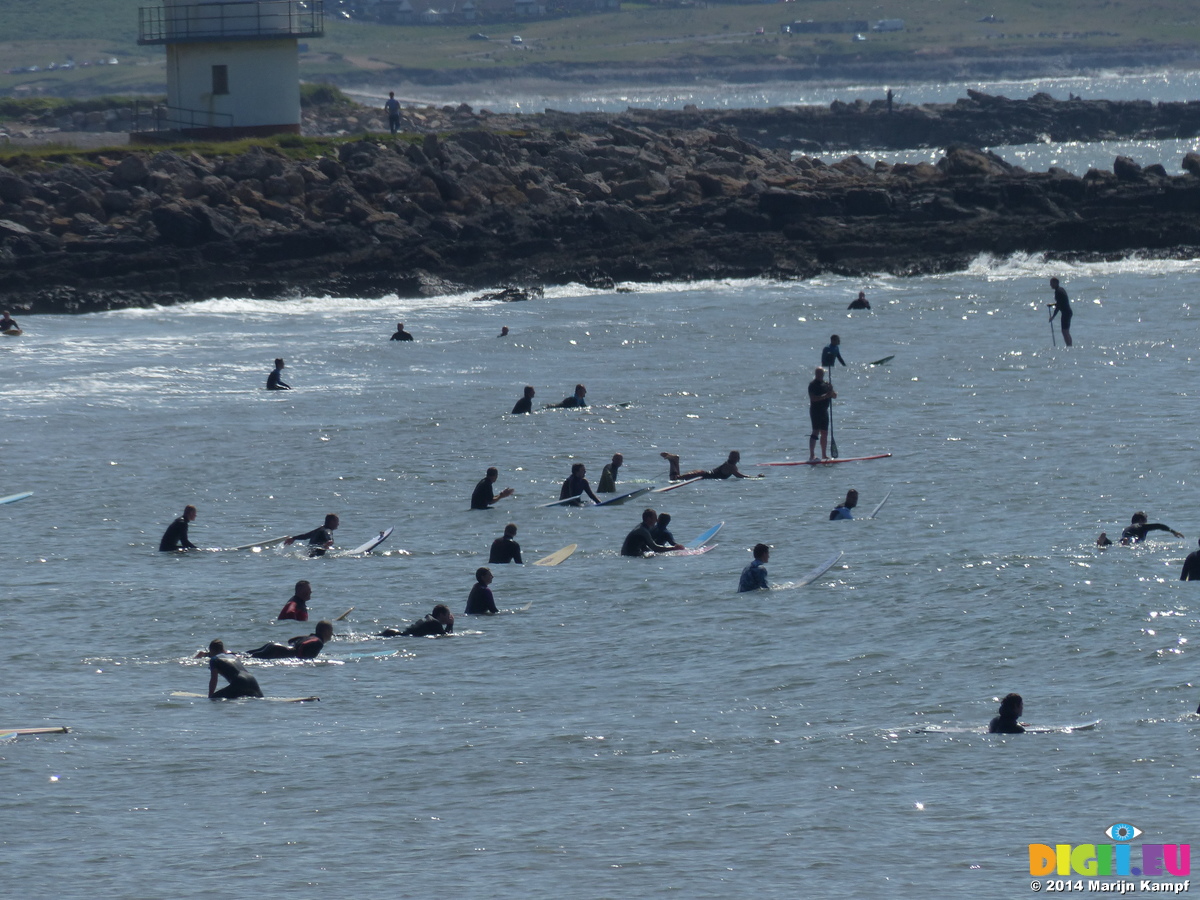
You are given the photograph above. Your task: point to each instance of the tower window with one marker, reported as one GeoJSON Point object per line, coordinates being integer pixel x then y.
{"type": "Point", "coordinates": [220, 79]}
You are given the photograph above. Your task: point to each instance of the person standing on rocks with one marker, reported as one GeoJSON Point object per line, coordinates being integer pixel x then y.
{"type": "Point", "coordinates": [1061, 305]}
{"type": "Point", "coordinates": [392, 107]}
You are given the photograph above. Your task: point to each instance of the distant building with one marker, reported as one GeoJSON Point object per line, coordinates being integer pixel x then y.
{"type": "Point", "coordinates": [233, 68]}
{"type": "Point", "coordinates": [888, 25]}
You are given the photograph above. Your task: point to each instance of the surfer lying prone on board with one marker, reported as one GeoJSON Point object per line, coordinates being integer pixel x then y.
{"type": "Point", "coordinates": [241, 682]}
{"type": "Point", "coordinates": [437, 623]}
{"type": "Point", "coordinates": [640, 541]}
{"type": "Point", "coordinates": [1006, 722]}
{"type": "Point", "coordinates": [727, 469]}
{"type": "Point", "coordinates": [306, 646]}
{"type": "Point", "coordinates": [319, 539]}
{"type": "Point", "coordinates": [1138, 527]}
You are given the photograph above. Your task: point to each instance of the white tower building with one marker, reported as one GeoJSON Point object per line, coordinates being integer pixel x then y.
{"type": "Point", "coordinates": [233, 67]}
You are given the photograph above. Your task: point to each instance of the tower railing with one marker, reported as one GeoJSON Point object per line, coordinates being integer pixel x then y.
{"type": "Point", "coordinates": [238, 21]}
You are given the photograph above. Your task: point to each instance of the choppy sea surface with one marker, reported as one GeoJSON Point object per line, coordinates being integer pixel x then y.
{"type": "Point", "coordinates": [641, 729]}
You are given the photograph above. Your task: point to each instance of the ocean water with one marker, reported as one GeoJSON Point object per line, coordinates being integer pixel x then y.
{"type": "Point", "coordinates": [641, 730]}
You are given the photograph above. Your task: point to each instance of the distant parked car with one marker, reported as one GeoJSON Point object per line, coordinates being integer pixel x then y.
{"type": "Point", "coordinates": [477, 36]}
{"type": "Point", "coordinates": [516, 39]}
{"type": "Point", "coordinates": [760, 30]}
{"type": "Point", "coordinates": [859, 37]}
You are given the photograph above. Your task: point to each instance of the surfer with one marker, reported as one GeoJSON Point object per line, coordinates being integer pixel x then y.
{"type": "Point", "coordinates": [480, 601]}
{"type": "Point", "coordinates": [401, 334]}
{"type": "Point", "coordinates": [754, 576]}
{"type": "Point", "coordinates": [525, 404]}
{"type": "Point", "coordinates": [575, 400]}
{"type": "Point", "coordinates": [482, 497]}
{"type": "Point", "coordinates": [820, 397]}
{"type": "Point", "coordinates": [843, 511]}
{"type": "Point", "coordinates": [640, 541]}
{"type": "Point", "coordinates": [275, 380]}
{"type": "Point", "coordinates": [503, 331]}
{"type": "Point", "coordinates": [1135, 532]}
{"type": "Point", "coordinates": [660, 533]}
{"type": "Point", "coordinates": [1061, 307]}
{"type": "Point", "coordinates": [319, 539]}
{"type": "Point", "coordinates": [860, 302]}
{"type": "Point", "coordinates": [438, 622]}
{"type": "Point", "coordinates": [577, 485]}
{"type": "Point", "coordinates": [8, 323]}
{"type": "Point", "coordinates": [1103, 540]}
{"type": "Point", "coordinates": [724, 470]}
{"type": "Point", "coordinates": [832, 354]}
{"type": "Point", "coordinates": [176, 535]}
{"type": "Point", "coordinates": [608, 477]}
{"type": "Point", "coordinates": [306, 646]}
{"type": "Point", "coordinates": [505, 549]}
{"type": "Point", "coordinates": [241, 682]}
{"type": "Point", "coordinates": [297, 607]}
{"type": "Point", "coordinates": [1006, 722]}
{"type": "Point", "coordinates": [1191, 567]}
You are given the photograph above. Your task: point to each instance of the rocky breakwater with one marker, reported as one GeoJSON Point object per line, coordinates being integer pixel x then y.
{"type": "Point", "coordinates": [480, 209]}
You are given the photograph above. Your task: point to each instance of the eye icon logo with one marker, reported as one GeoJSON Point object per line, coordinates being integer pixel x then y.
{"type": "Point", "coordinates": [1122, 832]}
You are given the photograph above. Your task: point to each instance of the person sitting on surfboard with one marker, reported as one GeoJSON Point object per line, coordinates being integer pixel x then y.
{"type": "Point", "coordinates": [1011, 708]}
{"type": "Point", "coordinates": [1135, 532]}
{"type": "Point", "coordinates": [306, 646]}
{"type": "Point", "coordinates": [221, 662]}
{"type": "Point", "coordinates": [1103, 540]}
{"type": "Point", "coordinates": [860, 302]}
{"type": "Point", "coordinates": [525, 404]}
{"type": "Point", "coordinates": [1191, 567]}
{"type": "Point", "coordinates": [297, 607]}
{"type": "Point", "coordinates": [577, 485]}
{"type": "Point", "coordinates": [724, 470]}
{"type": "Point", "coordinates": [843, 511]}
{"type": "Point", "coordinates": [608, 477]}
{"type": "Point", "coordinates": [820, 397]}
{"type": "Point", "coordinates": [438, 622]}
{"type": "Point", "coordinates": [639, 542]}
{"type": "Point", "coordinates": [480, 601]}
{"type": "Point", "coordinates": [482, 497]}
{"type": "Point", "coordinates": [832, 354]}
{"type": "Point", "coordinates": [176, 535]}
{"type": "Point", "coordinates": [8, 323]}
{"type": "Point", "coordinates": [754, 576]}
{"type": "Point", "coordinates": [505, 549]}
{"type": "Point", "coordinates": [660, 533]}
{"type": "Point", "coordinates": [319, 539]}
{"type": "Point", "coordinates": [275, 380]}
{"type": "Point", "coordinates": [401, 334]}
{"type": "Point", "coordinates": [575, 400]}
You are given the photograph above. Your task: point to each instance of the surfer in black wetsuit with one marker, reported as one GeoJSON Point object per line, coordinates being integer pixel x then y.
{"type": "Point", "coordinates": [1191, 567]}
{"type": "Point", "coordinates": [306, 646]}
{"type": "Point", "coordinates": [1135, 532]}
{"type": "Point", "coordinates": [608, 476]}
{"type": "Point", "coordinates": [505, 549]}
{"type": "Point", "coordinates": [859, 302]}
{"type": "Point", "coordinates": [176, 535]}
{"type": "Point", "coordinates": [480, 601]}
{"type": "Point", "coordinates": [275, 380]}
{"type": "Point", "coordinates": [401, 334]}
{"type": "Point", "coordinates": [832, 354]}
{"type": "Point", "coordinates": [661, 533]}
{"type": "Point", "coordinates": [1006, 722]}
{"type": "Point", "coordinates": [575, 400]}
{"type": "Point", "coordinates": [727, 469]}
{"type": "Point", "coordinates": [640, 541]}
{"type": "Point", "coordinates": [241, 682]}
{"type": "Point", "coordinates": [319, 539]}
{"type": "Point", "coordinates": [1062, 309]}
{"type": "Point", "coordinates": [525, 404]}
{"type": "Point", "coordinates": [482, 497]}
{"type": "Point", "coordinates": [577, 485]}
{"type": "Point", "coordinates": [8, 323]}
{"type": "Point", "coordinates": [820, 397]}
{"type": "Point", "coordinates": [437, 623]}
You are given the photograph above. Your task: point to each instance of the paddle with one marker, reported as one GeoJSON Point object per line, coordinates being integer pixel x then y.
{"type": "Point", "coordinates": [833, 450]}
{"type": "Point", "coordinates": [1053, 342]}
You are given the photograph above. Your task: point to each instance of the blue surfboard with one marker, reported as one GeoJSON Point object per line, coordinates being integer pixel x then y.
{"type": "Point", "coordinates": [621, 498]}
{"type": "Point", "coordinates": [704, 538]}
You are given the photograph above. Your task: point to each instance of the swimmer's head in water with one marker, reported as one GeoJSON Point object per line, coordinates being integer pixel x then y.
{"type": "Point", "coordinates": [1138, 518]}
{"type": "Point", "coordinates": [332, 521]}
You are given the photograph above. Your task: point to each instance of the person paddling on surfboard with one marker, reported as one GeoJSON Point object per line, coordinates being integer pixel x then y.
{"type": "Point", "coordinates": [574, 401]}
{"type": "Point", "coordinates": [640, 541]}
{"type": "Point", "coordinates": [221, 662]}
{"type": "Point", "coordinates": [8, 323]}
{"type": "Point", "coordinates": [306, 646]}
{"type": "Point", "coordinates": [1135, 532]}
{"type": "Point", "coordinates": [482, 497]}
{"type": "Point", "coordinates": [1006, 722]}
{"type": "Point", "coordinates": [754, 576]}
{"type": "Point", "coordinates": [727, 469]}
{"type": "Point", "coordinates": [319, 539]}
{"type": "Point", "coordinates": [437, 623]}
{"type": "Point", "coordinates": [1061, 307]}
{"type": "Point", "coordinates": [505, 549]}
{"type": "Point", "coordinates": [480, 601]}
{"type": "Point", "coordinates": [297, 607]}
{"type": "Point", "coordinates": [275, 380]}
{"type": "Point", "coordinates": [820, 397]}
{"type": "Point", "coordinates": [176, 535]}
{"type": "Point", "coordinates": [843, 511]}
{"type": "Point", "coordinates": [576, 485]}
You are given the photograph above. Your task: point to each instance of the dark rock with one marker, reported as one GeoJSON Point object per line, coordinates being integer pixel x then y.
{"type": "Point", "coordinates": [1126, 169]}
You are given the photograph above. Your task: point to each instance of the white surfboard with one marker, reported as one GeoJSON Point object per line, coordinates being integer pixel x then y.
{"type": "Point", "coordinates": [621, 498]}
{"type": "Point", "coordinates": [270, 542]}
{"type": "Point", "coordinates": [689, 551]}
{"type": "Point", "coordinates": [566, 501]}
{"type": "Point", "coordinates": [677, 484]}
{"type": "Point", "coordinates": [556, 557]}
{"type": "Point", "coordinates": [191, 695]}
{"type": "Point", "coordinates": [819, 570]}
{"type": "Point", "coordinates": [876, 510]}
{"type": "Point", "coordinates": [372, 543]}
{"type": "Point", "coordinates": [13, 498]}
{"type": "Point", "coordinates": [705, 537]}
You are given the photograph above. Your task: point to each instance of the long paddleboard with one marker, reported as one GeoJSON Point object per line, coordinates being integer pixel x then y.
{"type": "Point", "coordinates": [886, 359]}
{"type": "Point", "coordinates": [820, 570]}
{"type": "Point", "coordinates": [557, 556]}
{"type": "Point", "coordinates": [705, 537]}
{"type": "Point", "coordinates": [54, 729]}
{"type": "Point", "coordinates": [189, 695]}
{"type": "Point", "coordinates": [677, 484]}
{"type": "Point", "coordinates": [270, 542]}
{"type": "Point", "coordinates": [827, 462]}
{"type": "Point", "coordinates": [880, 505]}
{"type": "Point", "coordinates": [566, 501]}
{"type": "Point", "coordinates": [372, 543]}
{"type": "Point", "coordinates": [13, 498]}
{"type": "Point", "coordinates": [621, 498]}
